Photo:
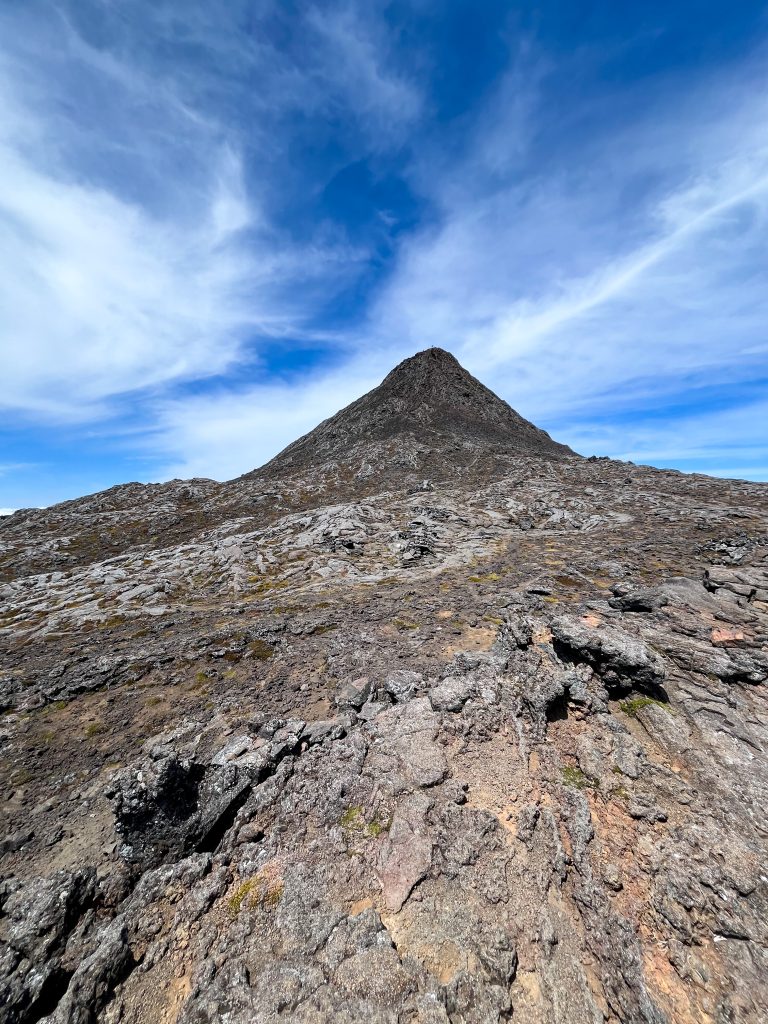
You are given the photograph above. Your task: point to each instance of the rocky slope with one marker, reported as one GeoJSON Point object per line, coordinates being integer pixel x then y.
{"type": "Point", "coordinates": [429, 720]}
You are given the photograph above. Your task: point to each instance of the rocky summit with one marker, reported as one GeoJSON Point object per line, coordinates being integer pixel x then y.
{"type": "Point", "coordinates": [428, 720]}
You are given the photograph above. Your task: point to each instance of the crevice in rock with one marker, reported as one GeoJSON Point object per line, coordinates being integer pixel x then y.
{"type": "Point", "coordinates": [617, 685]}
{"type": "Point", "coordinates": [557, 710]}
{"type": "Point", "coordinates": [52, 991]}
{"type": "Point", "coordinates": [179, 800]}
{"type": "Point", "coordinates": [210, 840]}
{"type": "Point", "coordinates": [128, 966]}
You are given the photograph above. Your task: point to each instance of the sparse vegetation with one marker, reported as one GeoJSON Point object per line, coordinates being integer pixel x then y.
{"type": "Point", "coordinates": [265, 888]}
{"type": "Point", "coordinates": [576, 778]}
{"type": "Point", "coordinates": [266, 586]}
{"type": "Point", "coordinates": [354, 824]}
{"type": "Point", "coordinates": [57, 705]}
{"type": "Point", "coordinates": [112, 622]}
{"type": "Point", "coordinates": [631, 707]}
{"type": "Point", "coordinates": [241, 894]}
{"type": "Point", "coordinates": [261, 650]}
{"type": "Point", "coordinates": [403, 624]}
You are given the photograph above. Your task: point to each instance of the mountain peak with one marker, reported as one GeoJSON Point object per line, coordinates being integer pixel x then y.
{"type": "Point", "coordinates": [432, 369]}
{"type": "Point", "coordinates": [433, 358]}
{"type": "Point", "coordinates": [428, 414]}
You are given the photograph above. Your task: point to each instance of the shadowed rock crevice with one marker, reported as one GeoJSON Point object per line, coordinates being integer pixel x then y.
{"type": "Point", "coordinates": [51, 993]}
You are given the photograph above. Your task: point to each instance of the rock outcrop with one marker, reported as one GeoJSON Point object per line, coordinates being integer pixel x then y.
{"type": "Point", "coordinates": [429, 720]}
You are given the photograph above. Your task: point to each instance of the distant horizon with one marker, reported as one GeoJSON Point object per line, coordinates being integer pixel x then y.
{"type": "Point", "coordinates": [223, 225]}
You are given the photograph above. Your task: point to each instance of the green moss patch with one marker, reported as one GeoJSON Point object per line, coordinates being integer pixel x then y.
{"type": "Point", "coordinates": [354, 824]}
{"type": "Point", "coordinates": [631, 707]}
{"type": "Point", "coordinates": [576, 778]}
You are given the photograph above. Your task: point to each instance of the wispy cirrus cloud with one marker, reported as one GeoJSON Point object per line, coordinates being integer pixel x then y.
{"type": "Point", "coordinates": [142, 246]}
{"type": "Point", "coordinates": [593, 286]}
{"type": "Point", "coordinates": [236, 431]}
{"type": "Point", "coordinates": [182, 196]}
{"type": "Point", "coordinates": [578, 304]}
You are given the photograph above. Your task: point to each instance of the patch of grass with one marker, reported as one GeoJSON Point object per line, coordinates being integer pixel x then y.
{"type": "Point", "coordinates": [57, 705]}
{"type": "Point", "coordinates": [404, 624]}
{"type": "Point", "coordinates": [112, 622]}
{"type": "Point", "coordinates": [631, 707]}
{"type": "Point", "coordinates": [95, 729]}
{"type": "Point", "coordinates": [494, 619]}
{"type": "Point", "coordinates": [318, 630]}
{"type": "Point", "coordinates": [376, 827]}
{"type": "Point", "coordinates": [491, 577]}
{"type": "Point", "coordinates": [268, 585]}
{"type": "Point", "coordinates": [351, 818]}
{"type": "Point", "coordinates": [261, 650]}
{"type": "Point", "coordinates": [576, 778]}
{"type": "Point", "coordinates": [273, 894]}
{"type": "Point", "coordinates": [566, 581]}
{"type": "Point", "coordinates": [153, 701]}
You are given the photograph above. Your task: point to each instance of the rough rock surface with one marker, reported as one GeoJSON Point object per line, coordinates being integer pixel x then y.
{"type": "Point", "coordinates": [430, 720]}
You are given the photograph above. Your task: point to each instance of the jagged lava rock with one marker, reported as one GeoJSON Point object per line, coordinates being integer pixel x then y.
{"type": "Point", "coordinates": [430, 720]}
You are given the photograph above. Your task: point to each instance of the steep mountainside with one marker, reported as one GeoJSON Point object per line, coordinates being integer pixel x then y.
{"type": "Point", "coordinates": [428, 720]}
{"type": "Point", "coordinates": [428, 402]}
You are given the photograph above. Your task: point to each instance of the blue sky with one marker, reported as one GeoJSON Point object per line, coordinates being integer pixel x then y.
{"type": "Point", "coordinates": [222, 222]}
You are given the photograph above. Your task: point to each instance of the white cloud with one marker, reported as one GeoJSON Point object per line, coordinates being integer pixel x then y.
{"type": "Point", "coordinates": [608, 273]}
{"type": "Point", "coordinates": [229, 433]}
{"type": "Point", "coordinates": [100, 298]}
{"type": "Point", "coordinates": [352, 64]}
{"type": "Point", "coordinates": [133, 255]}
{"type": "Point", "coordinates": [101, 294]}
{"type": "Point", "coordinates": [705, 438]}
{"type": "Point", "coordinates": [584, 289]}
{"type": "Point", "coordinates": [572, 304]}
